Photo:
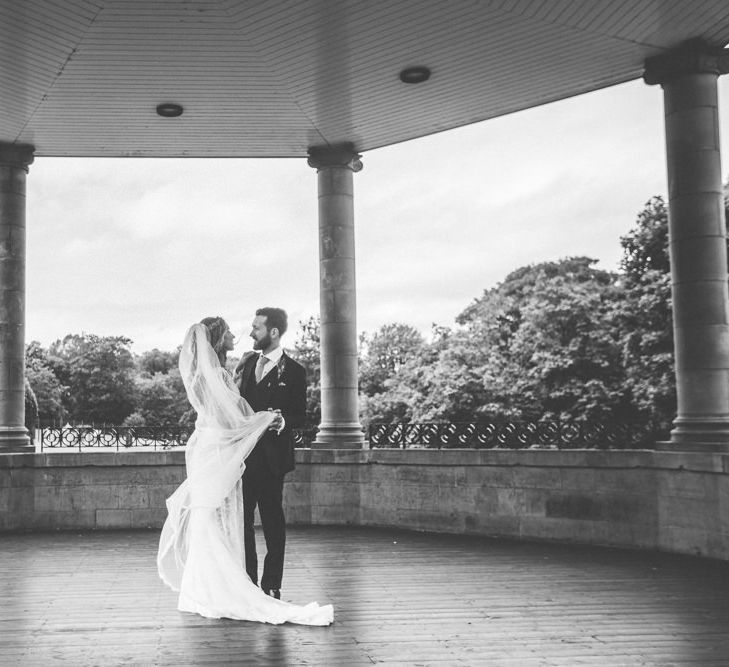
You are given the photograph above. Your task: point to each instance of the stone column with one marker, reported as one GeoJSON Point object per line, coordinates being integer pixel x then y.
{"type": "Point", "coordinates": [14, 162]}
{"type": "Point", "coordinates": [340, 426]}
{"type": "Point", "coordinates": [698, 244]}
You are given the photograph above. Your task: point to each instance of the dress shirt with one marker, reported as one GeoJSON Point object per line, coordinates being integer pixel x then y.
{"type": "Point", "coordinates": [273, 357]}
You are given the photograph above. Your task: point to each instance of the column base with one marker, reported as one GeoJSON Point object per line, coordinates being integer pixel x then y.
{"type": "Point", "coordinates": [340, 436]}
{"type": "Point", "coordinates": [698, 435]}
{"type": "Point", "coordinates": [14, 439]}
{"type": "Point", "coordinates": [706, 447]}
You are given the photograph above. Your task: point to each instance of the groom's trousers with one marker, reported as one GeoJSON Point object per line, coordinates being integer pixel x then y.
{"type": "Point", "coordinates": [264, 489]}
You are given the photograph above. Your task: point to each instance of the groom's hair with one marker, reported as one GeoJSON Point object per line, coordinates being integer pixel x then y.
{"type": "Point", "coordinates": [275, 317]}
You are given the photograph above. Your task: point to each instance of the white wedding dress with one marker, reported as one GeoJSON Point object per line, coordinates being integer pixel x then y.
{"type": "Point", "coordinates": [201, 546]}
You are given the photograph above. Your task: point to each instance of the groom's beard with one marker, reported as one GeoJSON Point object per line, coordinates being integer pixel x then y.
{"type": "Point", "coordinates": [263, 343]}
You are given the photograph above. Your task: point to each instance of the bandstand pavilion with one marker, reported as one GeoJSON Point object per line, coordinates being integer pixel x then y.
{"type": "Point", "coordinates": [325, 81]}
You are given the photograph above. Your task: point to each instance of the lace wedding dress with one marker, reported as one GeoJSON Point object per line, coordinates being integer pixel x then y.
{"type": "Point", "coordinates": [201, 546]}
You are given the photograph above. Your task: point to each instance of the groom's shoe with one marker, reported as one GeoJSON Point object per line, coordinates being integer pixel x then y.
{"type": "Point", "coordinates": [273, 592]}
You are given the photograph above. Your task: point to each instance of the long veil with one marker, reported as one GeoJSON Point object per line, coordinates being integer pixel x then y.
{"type": "Point", "coordinates": [225, 432]}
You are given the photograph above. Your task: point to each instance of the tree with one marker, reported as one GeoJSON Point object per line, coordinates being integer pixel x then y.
{"type": "Point", "coordinates": [383, 354]}
{"type": "Point", "coordinates": [307, 351]}
{"type": "Point", "coordinates": [645, 319]}
{"type": "Point", "coordinates": [46, 386]}
{"type": "Point", "coordinates": [645, 247]}
{"type": "Point", "coordinates": [157, 361]}
{"type": "Point", "coordinates": [161, 400]}
{"type": "Point", "coordinates": [99, 373]}
{"type": "Point", "coordinates": [541, 345]}
{"type": "Point", "coordinates": [411, 393]}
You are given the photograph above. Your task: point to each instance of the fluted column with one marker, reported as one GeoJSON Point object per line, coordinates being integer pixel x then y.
{"type": "Point", "coordinates": [14, 162]}
{"type": "Point", "coordinates": [340, 426]}
{"type": "Point", "coordinates": [698, 244]}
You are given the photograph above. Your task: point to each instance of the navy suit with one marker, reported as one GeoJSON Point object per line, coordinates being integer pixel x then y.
{"type": "Point", "coordinates": [283, 388]}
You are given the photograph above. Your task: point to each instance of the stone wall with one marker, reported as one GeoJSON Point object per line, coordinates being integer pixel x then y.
{"type": "Point", "coordinates": [658, 500]}
{"type": "Point", "coordinates": [89, 490]}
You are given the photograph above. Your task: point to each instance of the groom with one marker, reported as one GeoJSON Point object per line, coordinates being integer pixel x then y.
{"type": "Point", "coordinates": [270, 380]}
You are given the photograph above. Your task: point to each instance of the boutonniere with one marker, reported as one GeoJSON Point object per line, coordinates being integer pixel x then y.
{"type": "Point", "coordinates": [281, 365]}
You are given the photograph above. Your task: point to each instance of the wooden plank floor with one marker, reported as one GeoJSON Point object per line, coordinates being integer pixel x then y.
{"type": "Point", "coordinates": [400, 598]}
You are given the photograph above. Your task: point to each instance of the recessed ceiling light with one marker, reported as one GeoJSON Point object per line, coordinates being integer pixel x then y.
{"type": "Point", "coordinates": [416, 74]}
{"type": "Point", "coordinates": [169, 110]}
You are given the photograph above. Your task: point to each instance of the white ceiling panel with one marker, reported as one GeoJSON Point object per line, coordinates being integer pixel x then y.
{"type": "Point", "coordinates": [271, 79]}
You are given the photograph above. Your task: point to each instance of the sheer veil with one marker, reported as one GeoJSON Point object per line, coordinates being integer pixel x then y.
{"type": "Point", "coordinates": [225, 432]}
{"type": "Point", "coordinates": [209, 389]}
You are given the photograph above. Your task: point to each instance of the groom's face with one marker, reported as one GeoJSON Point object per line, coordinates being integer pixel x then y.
{"type": "Point", "coordinates": [259, 333]}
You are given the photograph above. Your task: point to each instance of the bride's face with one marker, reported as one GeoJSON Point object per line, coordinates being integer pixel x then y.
{"type": "Point", "coordinates": [228, 341]}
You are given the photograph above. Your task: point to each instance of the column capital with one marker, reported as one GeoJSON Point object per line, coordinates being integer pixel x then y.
{"type": "Point", "coordinates": [18, 155]}
{"type": "Point", "coordinates": [337, 155]}
{"type": "Point", "coordinates": [694, 56]}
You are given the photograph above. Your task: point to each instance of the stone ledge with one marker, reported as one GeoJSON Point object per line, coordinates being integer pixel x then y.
{"type": "Point", "coordinates": [574, 458]}
{"type": "Point", "coordinates": [715, 462]}
{"type": "Point", "coordinates": [96, 459]}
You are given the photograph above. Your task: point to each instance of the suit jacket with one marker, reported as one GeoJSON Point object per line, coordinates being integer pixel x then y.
{"type": "Point", "coordinates": [283, 388]}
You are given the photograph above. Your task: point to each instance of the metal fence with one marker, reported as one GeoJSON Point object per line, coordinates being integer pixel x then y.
{"type": "Point", "coordinates": [430, 435]}
{"type": "Point", "coordinates": [125, 437]}
{"type": "Point", "coordinates": [511, 435]}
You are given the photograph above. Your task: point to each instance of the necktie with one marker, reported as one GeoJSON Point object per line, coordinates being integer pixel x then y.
{"type": "Point", "coordinates": [259, 367]}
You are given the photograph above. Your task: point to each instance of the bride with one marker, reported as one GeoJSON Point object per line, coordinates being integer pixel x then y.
{"type": "Point", "coordinates": [201, 546]}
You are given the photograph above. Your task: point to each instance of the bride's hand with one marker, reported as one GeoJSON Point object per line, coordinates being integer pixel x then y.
{"type": "Point", "coordinates": [277, 422]}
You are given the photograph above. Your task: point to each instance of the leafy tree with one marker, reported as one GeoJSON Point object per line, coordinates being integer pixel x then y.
{"type": "Point", "coordinates": [540, 345]}
{"type": "Point", "coordinates": [383, 354]}
{"type": "Point", "coordinates": [307, 352]}
{"type": "Point", "coordinates": [645, 247]}
{"type": "Point", "coordinates": [645, 321]}
{"type": "Point", "coordinates": [407, 392]}
{"type": "Point", "coordinates": [99, 373]}
{"type": "Point", "coordinates": [161, 400]}
{"type": "Point", "coordinates": [568, 349]}
{"type": "Point", "coordinates": [46, 386]}
{"type": "Point", "coordinates": [160, 392]}
{"type": "Point", "coordinates": [157, 361]}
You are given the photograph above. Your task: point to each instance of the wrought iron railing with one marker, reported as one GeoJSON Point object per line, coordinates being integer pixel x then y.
{"type": "Point", "coordinates": [510, 435]}
{"type": "Point", "coordinates": [431, 435]}
{"type": "Point", "coordinates": [125, 437]}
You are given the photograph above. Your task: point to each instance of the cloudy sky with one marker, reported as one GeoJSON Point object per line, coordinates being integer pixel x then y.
{"type": "Point", "coordinates": [143, 248]}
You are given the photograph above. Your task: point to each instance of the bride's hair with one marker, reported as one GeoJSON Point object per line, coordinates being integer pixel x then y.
{"type": "Point", "coordinates": [216, 328]}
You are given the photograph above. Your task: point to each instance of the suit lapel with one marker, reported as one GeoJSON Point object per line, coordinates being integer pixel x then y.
{"type": "Point", "coordinates": [269, 382]}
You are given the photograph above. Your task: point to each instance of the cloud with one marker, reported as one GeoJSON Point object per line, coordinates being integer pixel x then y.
{"type": "Point", "coordinates": [146, 247]}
